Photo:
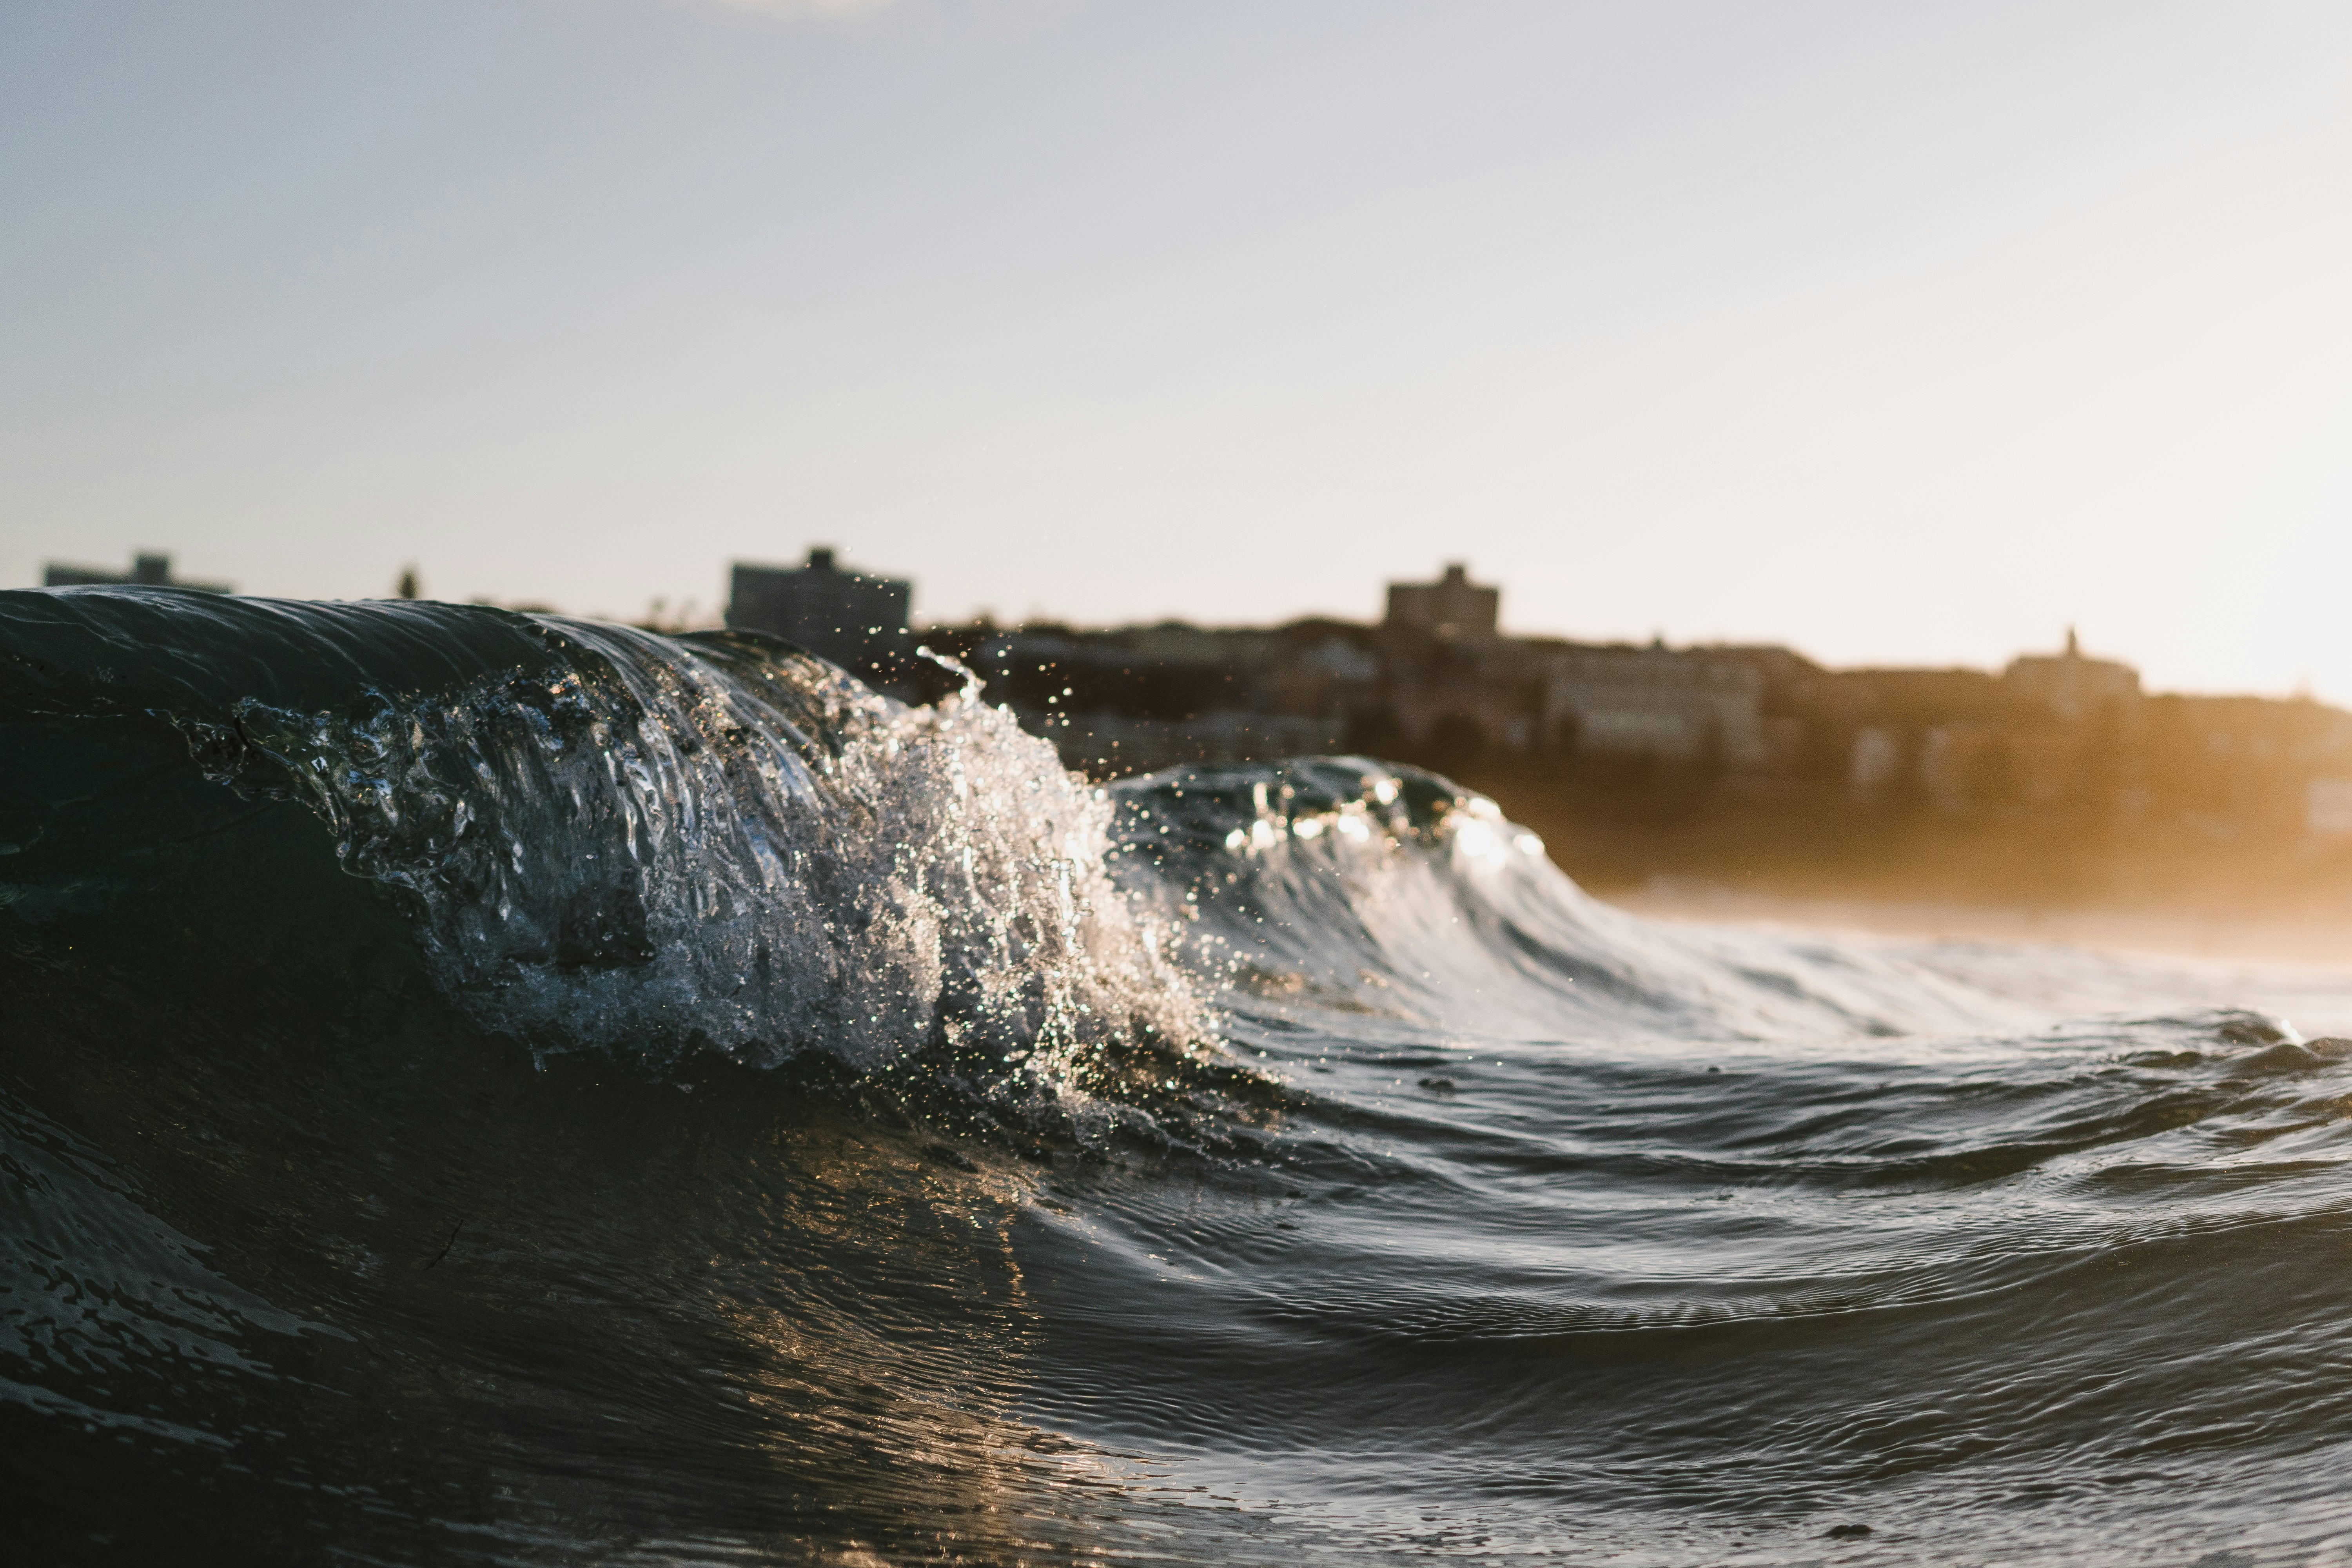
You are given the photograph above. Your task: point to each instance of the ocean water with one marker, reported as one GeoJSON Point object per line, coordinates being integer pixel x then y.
{"type": "Point", "coordinates": [478, 1087]}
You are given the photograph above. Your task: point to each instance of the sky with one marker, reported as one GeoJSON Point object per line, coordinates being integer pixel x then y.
{"type": "Point", "coordinates": [1899, 333]}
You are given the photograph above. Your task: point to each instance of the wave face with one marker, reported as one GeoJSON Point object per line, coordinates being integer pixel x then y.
{"type": "Point", "coordinates": [488, 1088]}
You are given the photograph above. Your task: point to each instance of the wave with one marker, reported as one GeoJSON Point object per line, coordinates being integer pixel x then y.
{"type": "Point", "coordinates": [613, 839]}
{"type": "Point", "coordinates": [607, 839]}
{"type": "Point", "coordinates": [494, 1088]}
{"type": "Point", "coordinates": [1384, 889]}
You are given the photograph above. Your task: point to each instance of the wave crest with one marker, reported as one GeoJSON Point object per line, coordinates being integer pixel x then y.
{"type": "Point", "coordinates": [720, 841]}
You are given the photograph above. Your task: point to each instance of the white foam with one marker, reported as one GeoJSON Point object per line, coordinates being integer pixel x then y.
{"type": "Point", "coordinates": [672, 843]}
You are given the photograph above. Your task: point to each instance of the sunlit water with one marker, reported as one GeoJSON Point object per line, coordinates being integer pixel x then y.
{"type": "Point", "coordinates": [487, 1088]}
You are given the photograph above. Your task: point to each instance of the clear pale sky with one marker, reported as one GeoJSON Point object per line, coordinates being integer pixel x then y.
{"type": "Point", "coordinates": [1898, 332]}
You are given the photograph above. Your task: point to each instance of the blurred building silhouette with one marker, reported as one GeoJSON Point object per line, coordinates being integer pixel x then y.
{"type": "Point", "coordinates": [1451, 607]}
{"type": "Point", "coordinates": [856, 619]}
{"type": "Point", "coordinates": [1683, 705]}
{"type": "Point", "coordinates": [2057, 743]}
{"type": "Point", "coordinates": [146, 571]}
{"type": "Point", "coordinates": [2069, 685]}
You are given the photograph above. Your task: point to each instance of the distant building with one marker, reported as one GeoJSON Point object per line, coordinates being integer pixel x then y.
{"type": "Point", "coordinates": [1135, 698]}
{"type": "Point", "coordinates": [1679, 705]}
{"type": "Point", "coordinates": [2069, 685]}
{"type": "Point", "coordinates": [146, 571]}
{"type": "Point", "coordinates": [1450, 710]}
{"type": "Point", "coordinates": [1146, 675]}
{"type": "Point", "coordinates": [855, 620]}
{"type": "Point", "coordinates": [1452, 606]}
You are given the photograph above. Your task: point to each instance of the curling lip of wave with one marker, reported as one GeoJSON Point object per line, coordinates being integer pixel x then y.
{"type": "Point", "coordinates": [612, 838]}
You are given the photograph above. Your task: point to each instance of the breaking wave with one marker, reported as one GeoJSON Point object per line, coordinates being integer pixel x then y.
{"type": "Point", "coordinates": [484, 1086]}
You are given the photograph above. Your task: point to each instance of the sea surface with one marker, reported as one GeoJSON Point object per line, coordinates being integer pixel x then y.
{"type": "Point", "coordinates": [478, 1087]}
